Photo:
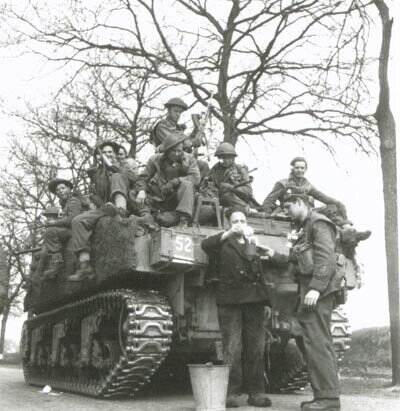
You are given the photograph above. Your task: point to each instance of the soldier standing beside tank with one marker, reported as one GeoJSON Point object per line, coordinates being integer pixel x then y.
{"type": "Point", "coordinates": [314, 254]}
{"type": "Point", "coordinates": [230, 180]}
{"type": "Point", "coordinates": [169, 180]}
{"type": "Point", "coordinates": [241, 297]}
{"type": "Point", "coordinates": [58, 230]}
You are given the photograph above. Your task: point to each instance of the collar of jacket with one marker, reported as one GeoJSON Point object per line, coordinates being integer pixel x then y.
{"type": "Point", "coordinates": [238, 247]}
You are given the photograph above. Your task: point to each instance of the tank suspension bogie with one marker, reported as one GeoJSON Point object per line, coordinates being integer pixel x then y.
{"type": "Point", "coordinates": [107, 345]}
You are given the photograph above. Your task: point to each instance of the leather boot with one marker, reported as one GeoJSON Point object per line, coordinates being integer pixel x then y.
{"type": "Point", "coordinates": [55, 264]}
{"type": "Point", "coordinates": [327, 404]}
{"type": "Point", "coordinates": [184, 221]}
{"type": "Point", "coordinates": [84, 272]}
{"type": "Point", "coordinates": [235, 400]}
{"type": "Point", "coordinates": [259, 400]}
{"type": "Point", "coordinates": [112, 211]}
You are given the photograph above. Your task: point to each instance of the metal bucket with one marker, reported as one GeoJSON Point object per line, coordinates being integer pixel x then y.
{"type": "Point", "coordinates": [209, 385]}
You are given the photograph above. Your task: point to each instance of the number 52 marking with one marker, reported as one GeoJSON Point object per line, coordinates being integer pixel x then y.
{"type": "Point", "coordinates": [184, 244]}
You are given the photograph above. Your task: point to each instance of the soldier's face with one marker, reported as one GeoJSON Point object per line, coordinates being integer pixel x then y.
{"type": "Point", "coordinates": [108, 152]}
{"type": "Point", "coordinates": [63, 191]}
{"type": "Point", "coordinates": [227, 161]}
{"type": "Point", "coordinates": [297, 210]}
{"type": "Point", "coordinates": [175, 153]}
{"type": "Point", "coordinates": [174, 113]}
{"type": "Point", "coordinates": [121, 154]}
{"type": "Point", "coordinates": [299, 169]}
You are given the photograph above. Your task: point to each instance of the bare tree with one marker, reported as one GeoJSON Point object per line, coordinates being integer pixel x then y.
{"type": "Point", "coordinates": [387, 136]}
{"type": "Point", "coordinates": [290, 68]}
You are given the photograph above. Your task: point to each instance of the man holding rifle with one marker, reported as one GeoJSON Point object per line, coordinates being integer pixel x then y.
{"type": "Point", "coordinates": [229, 180]}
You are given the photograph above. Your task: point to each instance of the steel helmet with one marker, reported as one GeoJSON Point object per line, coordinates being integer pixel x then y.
{"type": "Point", "coordinates": [225, 149]}
{"type": "Point", "coordinates": [176, 102]}
{"type": "Point", "coordinates": [172, 140]}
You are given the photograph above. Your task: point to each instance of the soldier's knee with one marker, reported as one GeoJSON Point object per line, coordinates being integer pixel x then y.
{"type": "Point", "coordinates": [187, 184]}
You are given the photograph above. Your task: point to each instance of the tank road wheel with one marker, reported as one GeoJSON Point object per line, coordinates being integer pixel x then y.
{"type": "Point", "coordinates": [113, 345]}
{"type": "Point", "coordinates": [286, 368]}
{"type": "Point", "coordinates": [341, 333]}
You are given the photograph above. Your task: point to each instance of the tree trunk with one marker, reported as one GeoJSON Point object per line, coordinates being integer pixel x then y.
{"type": "Point", "coordinates": [3, 329]}
{"type": "Point", "coordinates": [387, 135]}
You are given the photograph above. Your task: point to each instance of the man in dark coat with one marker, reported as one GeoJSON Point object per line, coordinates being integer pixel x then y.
{"type": "Point", "coordinates": [58, 230]}
{"type": "Point", "coordinates": [314, 253]}
{"type": "Point", "coordinates": [168, 182]}
{"type": "Point", "coordinates": [241, 297]}
{"type": "Point", "coordinates": [298, 184]}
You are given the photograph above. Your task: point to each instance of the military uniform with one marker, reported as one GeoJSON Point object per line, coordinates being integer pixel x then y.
{"type": "Point", "coordinates": [241, 297]}
{"type": "Point", "coordinates": [59, 232]}
{"type": "Point", "coordinates": [314, 252]}
{"type": "Point", "coordinates": [158, 176]}
{"type": "Point", "coordinates": [163, 128]}
{"type": "Point", "coordinates": [236, 175]}
{"type": "Point", "coordinates": [302, 186]}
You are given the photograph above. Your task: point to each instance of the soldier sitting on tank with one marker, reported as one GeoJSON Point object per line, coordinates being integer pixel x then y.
{"type": "Point", "coordinates": [298, 184]}
{"type": "Point", "coordinates": [58, 228]}
{"type": "Point", "coordinates": [168, 181]}
{"type": "Point", "coordinates": [112, 184]}
{"type": "Point", "coordinates": [228, 180]}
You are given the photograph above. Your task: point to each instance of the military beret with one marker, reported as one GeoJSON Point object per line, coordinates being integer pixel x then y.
{"type": "Point", "coordinates": [116, 147]}
{"type": "Point", "coordinates": [296, 159]}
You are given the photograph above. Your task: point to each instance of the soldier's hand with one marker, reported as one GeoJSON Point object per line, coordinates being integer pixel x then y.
{"type": "Point", "coordinates": [269, 252]}
{"type": "Point", "coordinates": [226, 186]}
{"type": "Point", "coordinates": [175, 182]}
{"type": "Point", "coordinates": [141, 197]}
{"type": "Point", "coordinates": [311, 298]}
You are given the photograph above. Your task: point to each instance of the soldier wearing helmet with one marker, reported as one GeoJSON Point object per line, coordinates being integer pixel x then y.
{"type": "Point", "coordinates": [226, 176]}
{"type": "Point", "coordinates": [168, 182]}
{"type": "Point", "coordinates": [170, 124]}
{"type": "Point", "coordinates": [58, 229]}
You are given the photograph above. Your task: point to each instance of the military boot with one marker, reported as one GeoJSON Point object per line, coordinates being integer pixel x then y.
{"type": "Point", "coordinates": [327, 404]}
{"type": "Point", "coordinates": [112, 211]}
{"type": "Point", "coordinates": [55, 264]}
{"type": "Point", "coordinates": [84, 272]}
{"type": "Point", "coordinates": [259, 400]}
{"type": "Point", "coordinates": [184, 221]}
{"type": "Point", "coordinates": [235, 400]}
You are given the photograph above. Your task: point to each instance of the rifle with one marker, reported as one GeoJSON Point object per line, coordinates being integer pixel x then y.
{"type": "Point", "coordinates": [200, 122]}
{"type": "Point", "coordinates": [248, 198]}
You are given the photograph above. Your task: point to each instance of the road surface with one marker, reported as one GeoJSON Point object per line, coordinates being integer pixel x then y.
{"type": "Point", "coordinates": [359, 395]}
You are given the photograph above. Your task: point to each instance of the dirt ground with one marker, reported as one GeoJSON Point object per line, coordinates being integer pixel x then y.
{"type": "Point", "coordinates": [360, 393]}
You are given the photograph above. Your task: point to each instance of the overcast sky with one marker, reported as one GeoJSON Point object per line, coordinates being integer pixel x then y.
{"type": "Point", "coordinates": [351, 177]}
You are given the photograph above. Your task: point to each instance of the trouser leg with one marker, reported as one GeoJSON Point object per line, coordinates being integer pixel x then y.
{"type": "Point", "coordinates": [230, 322]}
{"type": "Point", "coordinates": [82, 228]}
{"type": "Point", "coordinates": [119, 185]}
{"type": "Point", "coordinates": [318, 345]}
{"type": "Point", "coordinates": [55, 237]}
{"type": "Point", "coordinates": [185, 198]}
{"type": "Point", "coordinates": [253, 347]}
{"type": "Point", "coordinates": [232, 200]}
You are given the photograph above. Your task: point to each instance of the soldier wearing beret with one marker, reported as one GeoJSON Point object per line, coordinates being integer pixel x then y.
{"type": "Point", "coordinates": [168, 182]}
{"type": "Point", "coordinates": [58, 230]}
{"type": "Point", "coordinates": [298, 184]}
{"type": "Point", "coordinates": [313, 252]}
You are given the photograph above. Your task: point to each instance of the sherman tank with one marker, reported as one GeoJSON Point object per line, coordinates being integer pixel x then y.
{"type": "Point", "coordinates": [150, 309]}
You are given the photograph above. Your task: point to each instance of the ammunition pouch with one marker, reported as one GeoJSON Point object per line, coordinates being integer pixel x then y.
{"type": "Point", "coordinates": [303, 254]}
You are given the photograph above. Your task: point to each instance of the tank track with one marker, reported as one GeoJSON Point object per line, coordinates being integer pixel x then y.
{"type": "Point", "coordinates": [134, 328]}
{"type": "Point", "coordinates": [295, 377]}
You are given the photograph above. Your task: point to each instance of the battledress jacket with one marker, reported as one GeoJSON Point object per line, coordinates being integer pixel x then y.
{"type": "Point", "coordinates": [238, 279]}
{"type": "Point", "coordinates": [71, 208]}
{"type": "Point", "coordinates": [297, 186]}
{"type": "Point", "coordinates": [314, 255]}
{"type": "Point", "coordinates": [159, 171]}
{"type": "Point", "coordinates": [164, 128]}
